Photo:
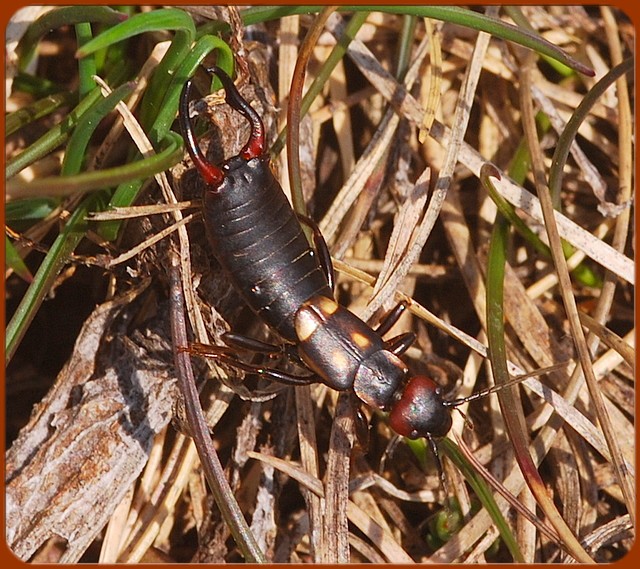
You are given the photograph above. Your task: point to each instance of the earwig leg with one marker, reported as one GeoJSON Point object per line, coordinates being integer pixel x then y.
{"type": "Point", "coordinates": [208, 350]}
{"type": "Point", "coordinates": [324, 256]}
{"type": "Point", "coordinates": [273, 374]}
{"type": "Point", "coordinates": [390, 318]}
{"type": "Point", "coordinates": [361, 426]}
{"type": "Point", "coordinates": [400, 344]}
{"type": "Point", "coordinates": [228, 356]}
{"type": "Point", "coordinates": [242, 342]}
{"type": "Point", "coordinates": [443, 478]}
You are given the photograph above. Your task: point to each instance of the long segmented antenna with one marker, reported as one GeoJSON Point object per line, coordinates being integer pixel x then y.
{"type": "Point", "coordinates": [500, 386]}
{"type": "Point", "coordinates": [254, 148]}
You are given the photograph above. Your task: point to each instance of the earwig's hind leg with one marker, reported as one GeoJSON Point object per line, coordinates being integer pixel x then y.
{"type": "Point", "coordinates": [399, 344]}
{"type": "Point", "coordinates": [361, 425]}
{"type": "Point", "coordinates": [273, 374]}
{"type": "Point", "coordinates": [324, 256]}
{"type": "Point", "coordinates": [242, 342]}
{"type": "Point", "coordinates": [228, 356]}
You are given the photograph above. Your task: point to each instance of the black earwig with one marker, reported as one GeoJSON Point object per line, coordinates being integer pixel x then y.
{"type": "Point", "coordinates": [259, 242]}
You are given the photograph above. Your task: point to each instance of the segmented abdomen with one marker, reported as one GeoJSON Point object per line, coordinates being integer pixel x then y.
{"type": "Point", "coordinates": [258, 240]}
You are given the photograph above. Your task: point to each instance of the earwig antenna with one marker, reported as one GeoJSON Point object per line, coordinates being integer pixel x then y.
{"type": "Point", "coordinates": [515, 381]}
{"type": "Point", "coordinates": [256, 145]}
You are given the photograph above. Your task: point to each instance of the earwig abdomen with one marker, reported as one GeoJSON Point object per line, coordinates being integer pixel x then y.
{"type": "Point", "coordinates": [258, 240]}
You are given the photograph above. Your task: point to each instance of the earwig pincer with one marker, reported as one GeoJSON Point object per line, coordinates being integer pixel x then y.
{"type": "Point", "coordinates": [258, 240]}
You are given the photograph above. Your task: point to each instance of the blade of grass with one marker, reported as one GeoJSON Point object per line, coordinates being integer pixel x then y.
{"type": "Point", "coordinates": [484, 23]}
{"type": "Point", "coordinates": [36, 86]}
{"type": "Point", "coordinates": [509, 402]}
{"type": "Point", "coordinates": [52, 139]}
{"type": "Point", "coordinates": [65, 16]}
{"type": "Point", "coordinates": [86, 66]}
{"type": "Point", "coordinates": [14, 261]}
{"type": "Point", "coordinates": [201, 49]}
{"type": "Point", "coordinates": [52, 264]}
{"type": "Point", "coordinates": [453, 14]}
{"type": "Point", "coordinates": [57, 134]}
{"type": "Point", "coordinates": [170, 154]}
{"type": "Point", "coordinates": [36, 110]}
{"type": "Point", "coordinates": [570, 131]}
{"type": "Point", "coordinates": [74, 156]}
{"type": "Point", "coordinates": [258, 15]}
{"type": "Point", "coordinates": [483, 492]}
{"type": "Point", "coordinates": [148, 22]}
{"type": "Point", "coordinates": [29, 210]}
{"type": "Point", "coordinates": [154, 21]}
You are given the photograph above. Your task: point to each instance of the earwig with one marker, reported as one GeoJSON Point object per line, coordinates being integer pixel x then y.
{"type": "Point", "coordinates": [259, 242]}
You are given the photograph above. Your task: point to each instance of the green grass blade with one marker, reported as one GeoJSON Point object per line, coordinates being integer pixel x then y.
{"type": "Point", "coordinates": [14, 261]}
{"type": "Point", "coordinates": [171, 153]}
{"type": "Point", "coordinates": [86, 66]}
{"type": "Point", "coordinates": [577, 118]}
{"type": "Point", "coordinates": [27, 211]}
{"type": "Point", "coordinates": [89, 121]}
{"type": "Point", "coordinates": [484, 23]}
{"type": "Point", "coordinates": [484, 494]}
{"type": "Point", "coordinates": [154, 21]}
{"type": "Point", "coordinates": [57, 18]}
{"type": "Point", "coordinates": [52, 139]}
{"type": "Point", "coordinates": [452, 14]}
{"type": "Point", "coordinates": [203, 47]}
{"type": "Point", "coordinates": [36, 110]}
{"type": "Point", "coordinates": [51, 266]}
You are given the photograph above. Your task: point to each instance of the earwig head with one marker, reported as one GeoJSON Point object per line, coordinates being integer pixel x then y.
{"type": "Point", "coordinates": [212, 174]}
{"type": "Point", "coordinates": [420, 411]}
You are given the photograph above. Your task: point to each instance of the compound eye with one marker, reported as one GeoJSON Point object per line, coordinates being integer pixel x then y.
{"type": "Point", "coordinates": [420, 411]}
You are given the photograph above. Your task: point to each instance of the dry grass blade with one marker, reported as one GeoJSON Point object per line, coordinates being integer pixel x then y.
{"type": "Point", "coordinates": [624, 479]}
{"type": "Point", "coordinates": [335, 548]}
{"type": "Point", "coordinates": [378, 535]}
{"type": "Point", "coordinates": [139, 211]}
{"type": "Point", "coordinates": [611, 339]}
{"type": "Point", "coordinates": [309, 458]}
{"type": "Point", "coordinates": [516, 195]}
{"type": "Point", "coordinates": [406, 242]}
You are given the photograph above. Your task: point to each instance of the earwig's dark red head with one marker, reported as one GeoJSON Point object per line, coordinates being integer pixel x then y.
{"type": "Point", "coordinates": [420, 411]}
{"type": "Point", "coordinates": [214, 175]}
